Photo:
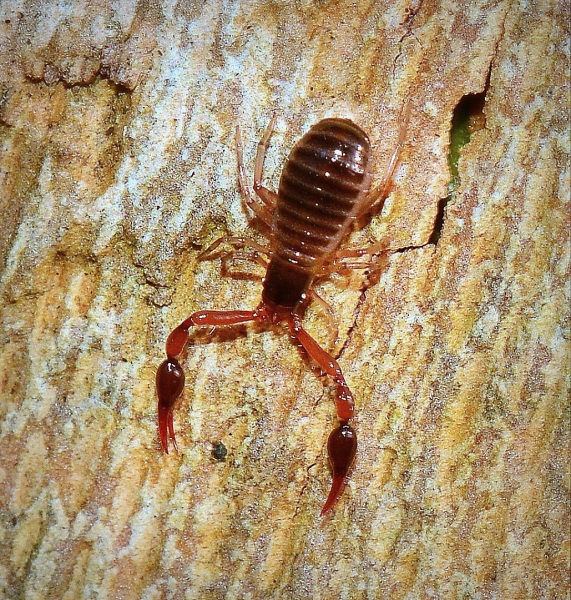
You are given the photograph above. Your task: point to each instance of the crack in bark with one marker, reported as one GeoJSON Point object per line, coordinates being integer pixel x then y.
{"type": "Point", "coordinates": [371, 279]}
{"type": "Point", "coordinates": [411, 13]}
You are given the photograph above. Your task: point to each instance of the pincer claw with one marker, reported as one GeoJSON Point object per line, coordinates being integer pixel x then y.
{"type": "Point", "coordinates": [341, 447]}
{"type": "Point", "coordinates": [170, 383]}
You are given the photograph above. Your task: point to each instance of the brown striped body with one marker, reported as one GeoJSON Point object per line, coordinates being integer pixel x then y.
{"type": "Point", "coordinates": [322, 187]}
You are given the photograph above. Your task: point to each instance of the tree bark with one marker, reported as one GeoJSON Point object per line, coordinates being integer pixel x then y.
{"type": "Point", "coordinates": [118, 169]}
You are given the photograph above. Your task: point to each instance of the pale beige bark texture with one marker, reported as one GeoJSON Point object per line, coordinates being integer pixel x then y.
{"type": "Point", "coordinates": [118, 167]}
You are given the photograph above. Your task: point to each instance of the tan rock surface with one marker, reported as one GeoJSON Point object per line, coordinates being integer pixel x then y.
{"type": "Point", "coordinates": [118, 167]}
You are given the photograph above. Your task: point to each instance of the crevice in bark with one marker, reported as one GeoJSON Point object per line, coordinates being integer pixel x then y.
{"type": "Point", "coordinates": [467, 118]}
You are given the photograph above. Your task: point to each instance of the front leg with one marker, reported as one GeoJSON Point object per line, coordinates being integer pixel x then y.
{"type": "Point", "coordinates": [263, 210]}
{"type": "Point", "coordinates": [170, 375]}
{"type": "Point", "coordinates": [376, 197]}
{"type": "Point", "coordinates": [342, 443]}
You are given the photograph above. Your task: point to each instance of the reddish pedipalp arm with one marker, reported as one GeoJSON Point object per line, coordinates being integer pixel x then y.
{"type": "Point", "coordinates": [170, 375]}
{"type": "Point", "coordinates": [344, 398]}
{"type": "Point", "coordinates": [342, 443]}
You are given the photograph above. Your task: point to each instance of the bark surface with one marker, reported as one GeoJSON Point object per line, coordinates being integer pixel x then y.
{"type": "Point", "coordinates": [118, 168]}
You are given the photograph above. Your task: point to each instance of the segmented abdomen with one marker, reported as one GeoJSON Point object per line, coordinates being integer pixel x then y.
{"type": "Point", "coordinates": [325, 178]}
